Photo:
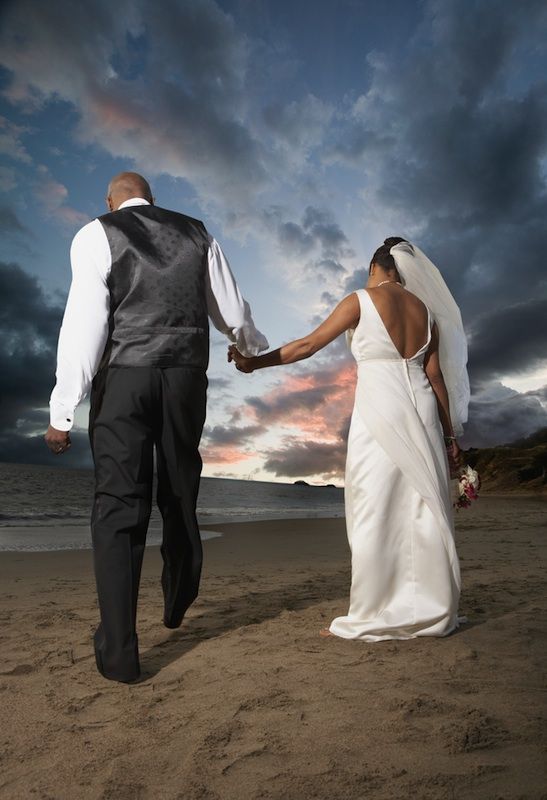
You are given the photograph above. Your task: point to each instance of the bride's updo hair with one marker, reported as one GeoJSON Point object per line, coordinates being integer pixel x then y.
{"type": "Point", "coordinates": [382, 256]}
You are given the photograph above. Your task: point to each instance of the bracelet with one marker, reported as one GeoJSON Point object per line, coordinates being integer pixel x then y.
{"type": "Point", "coordinates": [450, 438]}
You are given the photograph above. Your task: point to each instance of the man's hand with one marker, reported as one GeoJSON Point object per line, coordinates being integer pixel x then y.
{"type": "Point", "coordinates": [57, 441]}
{"type": "Point", "coordinates": [242, 363]}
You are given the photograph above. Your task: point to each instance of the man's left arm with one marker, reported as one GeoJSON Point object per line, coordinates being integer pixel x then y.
{"type": "Point", "coordinates": [83, 333]}
{"type": "Point", "coordinates": [229, 312]}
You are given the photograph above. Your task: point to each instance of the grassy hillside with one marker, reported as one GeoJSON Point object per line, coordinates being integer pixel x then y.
{"type": "Point", "coordinates": [520, 466]}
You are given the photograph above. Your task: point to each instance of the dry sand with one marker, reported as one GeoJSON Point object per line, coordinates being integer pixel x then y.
{"type": "Point", "coordinates": [247, 701]}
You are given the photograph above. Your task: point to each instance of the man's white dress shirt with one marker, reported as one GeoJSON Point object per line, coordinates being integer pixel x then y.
{"type": "Point", "coordinates": [84, 331]}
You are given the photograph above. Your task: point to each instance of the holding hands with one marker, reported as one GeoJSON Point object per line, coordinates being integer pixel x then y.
{"type": "Point", "coordinates": [345, 315]}
{"type": "Point", "coordinates": [242, 363]}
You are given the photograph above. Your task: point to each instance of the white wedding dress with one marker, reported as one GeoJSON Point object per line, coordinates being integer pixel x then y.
{"type": "Point", "coordinates": [405, 570]}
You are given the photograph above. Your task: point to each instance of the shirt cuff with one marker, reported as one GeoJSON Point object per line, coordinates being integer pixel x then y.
{"type": "Point", "coordinates": [61, 417]}
{"type": "Point", "coordinates": [246, 337]}
{"type": "Point", "coordinates": [248, 340]}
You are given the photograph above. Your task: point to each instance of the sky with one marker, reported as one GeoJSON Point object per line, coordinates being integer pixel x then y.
{"type": "Point", "coordinates": [302, 134]}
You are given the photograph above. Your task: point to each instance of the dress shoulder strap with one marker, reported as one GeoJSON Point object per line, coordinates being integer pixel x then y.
{"type": "Point", "coordinates": [360, 296]}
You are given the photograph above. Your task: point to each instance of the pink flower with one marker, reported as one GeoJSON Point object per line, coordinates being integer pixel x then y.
{"type": "Point", "coordinates": [468, 487]}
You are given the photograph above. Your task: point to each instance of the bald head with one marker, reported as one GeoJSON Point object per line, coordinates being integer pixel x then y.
{"type": "Point", "coordinates": [126, 185]}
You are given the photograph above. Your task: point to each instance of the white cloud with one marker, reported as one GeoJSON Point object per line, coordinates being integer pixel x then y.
{"type": "Point", "coordinates": [526, 383]}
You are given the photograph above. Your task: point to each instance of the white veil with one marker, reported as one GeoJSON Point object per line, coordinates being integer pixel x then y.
{"type": "Point", "coordinates": [421, 277]}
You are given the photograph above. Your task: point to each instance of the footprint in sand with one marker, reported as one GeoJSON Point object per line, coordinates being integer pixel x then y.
{"type": "Point", "coordinates": [19, 669]}
{"type": "Point", "coordinates": [79, 704]}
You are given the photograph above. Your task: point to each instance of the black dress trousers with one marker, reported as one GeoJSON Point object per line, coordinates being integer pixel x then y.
{"type": "Point", "coordinates": [133, 410]}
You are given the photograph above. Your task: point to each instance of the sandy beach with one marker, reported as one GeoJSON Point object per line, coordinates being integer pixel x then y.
{"type": "Point", "coordinates": [247, 701]}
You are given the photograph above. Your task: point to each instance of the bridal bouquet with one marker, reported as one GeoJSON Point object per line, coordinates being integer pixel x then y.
{"type": "Point", "coordinates": [469, 483]}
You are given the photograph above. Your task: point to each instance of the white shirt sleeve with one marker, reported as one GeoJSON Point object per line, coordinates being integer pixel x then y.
{"type": "Point", "coordinates": [84, 330]}
{"type": "Point", "coordinates": [229, 312]}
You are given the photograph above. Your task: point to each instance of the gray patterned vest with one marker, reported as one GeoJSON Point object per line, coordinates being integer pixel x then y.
{"type": "Point", "coordinates": [158, 306]}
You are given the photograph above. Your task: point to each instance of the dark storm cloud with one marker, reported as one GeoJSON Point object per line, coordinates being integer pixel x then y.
{"type": "Point", "coordinates": [294, 240]}
{"type": "Point", "coordinates": [307, 458]}
{"type": "Point", "coordinates": [28, 323]}
{"type": "Point", "coordinates": [220, 383]}
{"type": "Point", "coordinates": [318, 230]}
{"type": "Point", "coordinates": [509, 340]}
{"type": "Point", "coordinates": [278, 409]}
{"type": "Point", "coordinates": [498, 415]}
{"type": "Point", "coordinates": [465, 173]}
{"type": "Point", "coordinates": [323, 228]}
{"type": "Point", "coordinates": [331, 266]}
{"type": "Point", "coordinates": [357, 280]}
{"type": "Point", "coordinates": [317, 239]}
{"type": "Point", "coordinates": [221, 435]}
{"type": "Point", "coordinates": [29, 327]}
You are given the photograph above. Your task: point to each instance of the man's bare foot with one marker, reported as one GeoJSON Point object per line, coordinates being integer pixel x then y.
{"type": "Point", "coordinates": [325, 632]}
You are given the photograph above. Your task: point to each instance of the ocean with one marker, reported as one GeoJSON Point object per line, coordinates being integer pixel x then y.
{"type": "Point", "coordinates": [48, 508]}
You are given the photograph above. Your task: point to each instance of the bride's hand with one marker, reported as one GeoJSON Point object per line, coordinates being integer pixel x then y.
{"type": "Point", "coordinates": [242, 363]}
{"type": "Point", "coordinates": [455, 459]}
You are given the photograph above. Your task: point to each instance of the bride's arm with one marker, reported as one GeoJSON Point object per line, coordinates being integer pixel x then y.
{"type": "Point", "coordinates": [433, 371]}
{"type": "Point", "coordinates": [345, 315]}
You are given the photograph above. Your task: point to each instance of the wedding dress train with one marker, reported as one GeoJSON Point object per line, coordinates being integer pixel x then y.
{"type": "Point", "coordinates": [405, 569]}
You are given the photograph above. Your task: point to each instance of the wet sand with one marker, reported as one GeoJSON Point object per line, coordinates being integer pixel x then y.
{"type": "Point", "coordinates": [246, 701]}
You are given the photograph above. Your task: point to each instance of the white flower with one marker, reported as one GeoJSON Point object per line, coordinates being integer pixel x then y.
{"type": "Point", "coordinates": [472, 476]}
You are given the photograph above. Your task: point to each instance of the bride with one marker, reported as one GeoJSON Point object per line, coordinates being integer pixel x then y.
{"type": "Point", "coordinates": [405, 332]}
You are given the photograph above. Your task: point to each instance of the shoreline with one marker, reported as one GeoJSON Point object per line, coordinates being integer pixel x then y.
{"type": "Point", "coordinates": [208, 531]}
{"type": "Point", "coordinates": [211, 529]}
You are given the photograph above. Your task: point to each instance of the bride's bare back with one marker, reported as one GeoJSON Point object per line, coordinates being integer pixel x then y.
{"type": "Point", "coordinates": [404, 317]}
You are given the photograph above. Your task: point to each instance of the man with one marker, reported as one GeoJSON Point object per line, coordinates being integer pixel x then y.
{"type": "Point", "coordinates": [135, 331]}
